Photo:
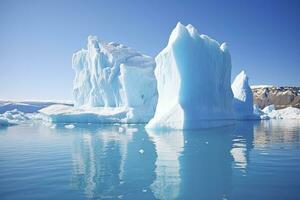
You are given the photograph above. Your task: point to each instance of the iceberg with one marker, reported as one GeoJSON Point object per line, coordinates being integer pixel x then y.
{"type": "Point", "coordinates": [259, 114]}
{"type": "Point", "coordinates": [269, 109]}
{"type": "Point", "coordinates": [193, 75]}
{"type": "Point", "coordinates": [12, 117]}
{"type": "Point", "coordinates": [113, 84]}
{"type": "Point", "coordinates": [243, 98]}
{"type": "Point", "coordinates": [286, 113]}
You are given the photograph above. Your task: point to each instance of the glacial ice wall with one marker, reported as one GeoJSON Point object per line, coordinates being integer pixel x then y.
{"type": "Point", "coordinates": [113, 75]}
{"type": "Point", "coordinates": [193, 80]}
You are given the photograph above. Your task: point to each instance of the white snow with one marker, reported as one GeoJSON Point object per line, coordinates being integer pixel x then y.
{"type": "Point", "coordinates": [110, 75]}
{"type": "Point", "coordinates": [193, 80]}
{"type": "Point", "coordinates": [243, 98]}
{"type": "Point", "coordinates": [261, 86]}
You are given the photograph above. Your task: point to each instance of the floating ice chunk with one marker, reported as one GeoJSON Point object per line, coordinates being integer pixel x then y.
{"type": "Point", "coordinates": [141, 151]}
{"type": "Point", "coordinates": [193, 80]}
{"type": "Point", "coordinates": [12, 117]}
{"type": "Point", "coordinates": [70, 126]}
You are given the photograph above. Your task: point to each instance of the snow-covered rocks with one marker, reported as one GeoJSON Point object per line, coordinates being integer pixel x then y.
{"type": "Point", "coordinates": [193, 80]}
{"type": "Point", "coordinates": [110, 75]}
{"type": "Point", "coordinates": [243, 98]}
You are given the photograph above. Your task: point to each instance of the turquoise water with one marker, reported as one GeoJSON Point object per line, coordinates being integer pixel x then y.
{"type": "Point", "coordinates": [247, 161]}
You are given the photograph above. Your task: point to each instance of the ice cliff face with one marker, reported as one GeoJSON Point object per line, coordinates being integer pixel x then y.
{"type": "Point", "coordinates": [112, 75]}
{"type": "Point", "coordinates": [193, 80]}
{"type": "Point", "coordinates": [243, 97]}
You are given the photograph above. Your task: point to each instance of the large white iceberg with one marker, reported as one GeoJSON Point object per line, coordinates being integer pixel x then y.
{"type": "Point", "coordinates": [193, 80]}
{"type": "Point", "coordinates": [113, 83]}
{"type": "Point", "coordinates": [243, 98]}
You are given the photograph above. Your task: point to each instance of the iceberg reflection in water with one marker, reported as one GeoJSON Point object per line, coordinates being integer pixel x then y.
{"type": "Point", "coordinates": [127, 162]}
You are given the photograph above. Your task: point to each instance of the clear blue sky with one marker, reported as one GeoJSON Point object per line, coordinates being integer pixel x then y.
{"type": "Point", "coordinates": [37, 38]}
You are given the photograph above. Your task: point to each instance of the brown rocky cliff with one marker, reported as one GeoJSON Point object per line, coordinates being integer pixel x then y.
{"type": "Point", "coordinates": [281, 97]}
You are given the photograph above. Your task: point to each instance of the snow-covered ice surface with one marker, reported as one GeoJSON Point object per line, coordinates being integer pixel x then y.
{"type": "Point", "coordinates": [193, 80]}
{"type": "Point", "coordinates": [70, 114]}
{"type": "Point", "coordinates": [243, 98]}
{"type": "Point", "coordinates": [115, 79]}
{"type": "Point", "coordinates": [260, 86]}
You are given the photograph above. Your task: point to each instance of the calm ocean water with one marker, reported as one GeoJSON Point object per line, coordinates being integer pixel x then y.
{"type": "Point", "coordinates": [251, 160]}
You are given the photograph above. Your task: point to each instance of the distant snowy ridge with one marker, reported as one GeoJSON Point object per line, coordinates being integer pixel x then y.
{"type": "Point", "coordinates": [28, 106]}
{"type": "Point", "coordinates": [260, 86]}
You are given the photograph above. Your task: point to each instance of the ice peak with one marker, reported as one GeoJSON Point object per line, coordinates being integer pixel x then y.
{"type": "Point", "coordinates": [224, 47]}
{"type": "Point", "coordinates": [93, 42]}
{"type": "Point", "coordinates": [241, 78]}
{"type": "Point", "coordinates": [193, 31]}
{"type": "Point", "coordinates": [243, 97]}
{"type": "Point", "coordinates": [178, 31]}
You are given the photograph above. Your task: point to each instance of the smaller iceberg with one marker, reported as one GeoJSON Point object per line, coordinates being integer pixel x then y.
{"type": "Point", "coordinates": [12, 117]}
{"type": "Point", "coordinates": [243, 98]}
{"type": "Point", "coordinates": [269, 109]}
{"type": "Point", "coordinates": [113, 84]}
